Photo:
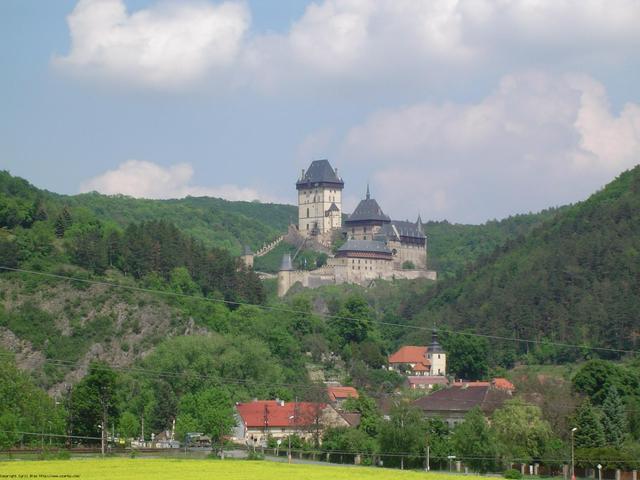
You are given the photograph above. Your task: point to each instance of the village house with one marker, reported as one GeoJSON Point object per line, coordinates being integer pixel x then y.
{"type": "Point", "coordinates": [259, 420]}
{"type": "Point", "coordinates": [454, 402]}
{"type": "Point", "coordinates": [421, 361]}
{"type": "Point", "coordinates": [338, 394]}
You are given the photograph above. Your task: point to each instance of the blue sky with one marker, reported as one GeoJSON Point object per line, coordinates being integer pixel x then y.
{"type": "Point", "coordinates": [465, 110]}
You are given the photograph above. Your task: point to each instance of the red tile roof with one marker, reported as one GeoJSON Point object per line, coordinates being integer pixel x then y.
{"type": "Point", "coordinates": [420, 367]}
{"type": "Point", "coordinates": [340, 393]}
{"type": "Point", "coordinates": [503, 384]}
{"type": "Point", "coordinates": [272, 413]}
{"type": "Point", "coordinates": [410, 354]}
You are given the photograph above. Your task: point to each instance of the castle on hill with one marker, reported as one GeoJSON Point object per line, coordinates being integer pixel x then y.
{"type": "Point", "coordinates": [376, 247]}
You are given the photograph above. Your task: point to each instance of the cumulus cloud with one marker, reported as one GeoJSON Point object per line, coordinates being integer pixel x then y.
{"type": "Point", "coordinates": [354, 42]}
{"type": "Point", "coordinates": [169, 45]}
{"type": "Point", "coordinates": [538, 140]}
{"type": "Point", "coordinates": [144, 179]}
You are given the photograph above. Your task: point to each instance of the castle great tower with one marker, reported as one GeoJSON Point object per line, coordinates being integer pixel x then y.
{"type": "Point", "coordinates": [319, 199]}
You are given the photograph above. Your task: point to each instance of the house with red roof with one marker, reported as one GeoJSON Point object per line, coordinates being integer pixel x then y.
{"type": "Point", "coordinates": [338, 394]}
{"type": "Point", "coordinates": [258, 420]}
{"type": "Point", "coordinates": [420, 361]}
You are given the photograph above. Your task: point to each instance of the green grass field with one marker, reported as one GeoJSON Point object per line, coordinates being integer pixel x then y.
{"type": "Point", "coordinates": [122, 469]}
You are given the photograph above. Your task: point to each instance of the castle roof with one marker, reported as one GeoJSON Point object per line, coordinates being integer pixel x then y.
{"type": "Point", "coordinates": [319, 173]}
{"type": "Point", "coordinates": [408, 229]}
{"type": "Point", "coordinates": [368, 210]}
{"type": "Point", "coordinates": [371, 246]}
{"type": "Point", "coordinates": [246, 250]}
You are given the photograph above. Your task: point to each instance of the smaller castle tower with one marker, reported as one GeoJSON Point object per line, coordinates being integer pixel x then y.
{"type": "Point", "coordinates": [247, 256]}
{"type": "Point", "coordinates": [437, 355]}
{"type": "Point", "coordinates": [284, 274]}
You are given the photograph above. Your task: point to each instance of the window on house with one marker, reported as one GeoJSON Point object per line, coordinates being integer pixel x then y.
{"type": "Point", "coordinates": [307, 213]}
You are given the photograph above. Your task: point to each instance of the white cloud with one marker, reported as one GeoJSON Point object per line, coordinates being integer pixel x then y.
{"type": "Point", "coordinates": [143, 179]}
{"type": "Point", "coordinates": [167, 46]}
{"type": "Point", "coordinates": [350, 43]}
{"type": "Point", "coordinates": [538, 140]}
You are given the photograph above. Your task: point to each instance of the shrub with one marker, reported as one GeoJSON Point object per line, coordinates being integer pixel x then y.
{"type": "Point", "coordinates": [512, 473]}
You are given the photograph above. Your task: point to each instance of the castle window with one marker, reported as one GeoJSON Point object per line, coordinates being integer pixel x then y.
{"type": "Point", "coordinates": [307, 213]}
{"type": "Point", "coordinates": [307, 223]}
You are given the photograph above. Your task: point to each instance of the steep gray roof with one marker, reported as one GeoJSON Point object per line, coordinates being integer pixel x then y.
{"type": "Point", "coordinates": [364, 246]}
{"type": "Point", "coordinates": [368, 210]}
{"type": "Point", "coordinates": [434, 346]}
{"type": "Point", "coordinates": [408, 229]}
{"type": "Point", "coordinates": [319, 172]}
{"type": "Point", "coordinates": [247, 250]}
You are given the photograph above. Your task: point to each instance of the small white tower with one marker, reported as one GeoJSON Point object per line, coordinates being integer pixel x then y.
{"type": "Point", "coordinates": [437, 355]}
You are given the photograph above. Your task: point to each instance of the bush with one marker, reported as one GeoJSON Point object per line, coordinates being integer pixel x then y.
{"type": "Point", "coordinates": [255, 455]}
{"type": "Point", "coordinates": [513, 474]}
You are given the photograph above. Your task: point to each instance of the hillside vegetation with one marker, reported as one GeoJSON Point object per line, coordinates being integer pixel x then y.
{"type": "Point", "coordinates": [213, 221]}
{"type": "Point", "coordinates": [454, 247]}
{"type": "Point", "coordinates": [574, 279]}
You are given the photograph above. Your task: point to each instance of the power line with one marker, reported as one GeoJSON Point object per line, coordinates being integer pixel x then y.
{"type": "Point", "coordinates": [319, 314]}
{"type": "Point", "coordinates": [308, 387]}
{"type": "Point", "coordinates": [228, 380]}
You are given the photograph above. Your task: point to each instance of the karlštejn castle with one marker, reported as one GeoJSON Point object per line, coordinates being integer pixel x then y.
{"type": "Point", "coordinates": [371, 245]}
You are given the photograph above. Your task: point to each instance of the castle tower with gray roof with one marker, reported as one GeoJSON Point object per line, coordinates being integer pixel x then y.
{"type": "Point", "coordinates": [319, 199]}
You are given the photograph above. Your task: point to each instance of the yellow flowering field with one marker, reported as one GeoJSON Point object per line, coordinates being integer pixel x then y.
{"type": "Point", "coordinates": [126, 468]}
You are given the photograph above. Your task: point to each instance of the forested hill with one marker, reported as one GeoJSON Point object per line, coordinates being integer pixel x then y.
{"type": "Point", "coordinates": [213, 221]}
{"type": "Point", "coordinates": [454, 246]}
{"type": "Point", "coordinates": [574, 279]}
{"type": "Point", "coordinates": [230, 225]}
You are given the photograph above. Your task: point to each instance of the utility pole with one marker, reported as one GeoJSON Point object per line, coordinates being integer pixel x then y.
{"type": "Point", "coordinates": [428, 465]}
{"type": "Point", "coordinates": [573, 471]}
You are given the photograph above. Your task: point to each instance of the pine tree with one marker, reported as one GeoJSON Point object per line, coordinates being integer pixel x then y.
{"type": "Point", "coordinates": [590, 433]}
{"type": "Point", "coordinates": [66, 217]}
{"type": "Point", "coordinates": [613, 419]}
{"type": "Point", "coordinates": [59, 227]}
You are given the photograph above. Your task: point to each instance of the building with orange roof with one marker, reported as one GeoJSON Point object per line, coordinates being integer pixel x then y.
{"type": "Point", "coordinates": [338, 394]}
{"type": "Point", "coordinates": [418, 361]}
{"type": "Point", "coordinates": [503, 384]}
{"type": "Point", "coordinates": [258, 420]}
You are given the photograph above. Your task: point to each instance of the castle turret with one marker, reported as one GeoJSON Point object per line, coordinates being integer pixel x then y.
{"type": "Point", "coordinates": [284, 274]}
{"type": "Point", "coordinates": [247, 256]}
